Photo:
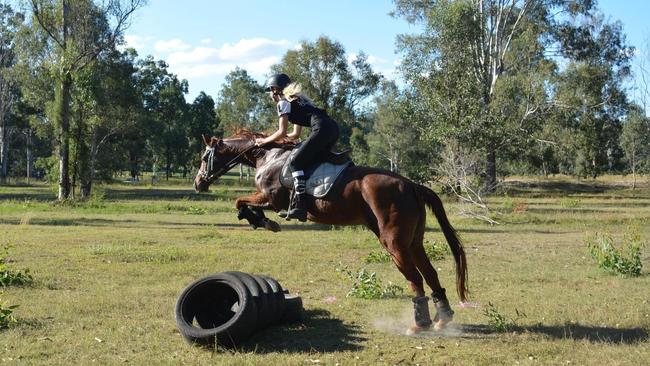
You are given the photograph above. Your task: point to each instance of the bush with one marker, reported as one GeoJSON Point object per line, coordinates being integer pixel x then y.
{"type": "Point", "coordinates": [433, 249]}
{"type": "Point", "coordinates": [6, 314]}
{"type": "Point", "coordinates": [9, 277]}
{"type": "Point", "coordinates": [368, 286]}
{"type": "Point", "coordinates": [499, 322]}
{"type": "Point", "coordinates": [625, 261]}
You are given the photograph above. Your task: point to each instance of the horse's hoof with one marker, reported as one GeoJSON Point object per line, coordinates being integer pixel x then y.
{"type": "Point", "coordinates": [415, 329]}
{"type": "Point", "coordinates": [271, 226]}
{"type": "Point", "coordinates": [441, 324]}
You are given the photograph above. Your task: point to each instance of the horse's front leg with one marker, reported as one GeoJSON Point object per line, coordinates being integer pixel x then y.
{"type": "Point", "coordinates": [255, 217]}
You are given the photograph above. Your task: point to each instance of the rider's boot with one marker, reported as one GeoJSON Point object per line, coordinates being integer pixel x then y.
{"type": "Point", "coordinates": [298, 206]}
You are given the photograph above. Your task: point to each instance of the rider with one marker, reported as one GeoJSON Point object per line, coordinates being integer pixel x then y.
{"type": "Point", "coordinates": [293, 107]}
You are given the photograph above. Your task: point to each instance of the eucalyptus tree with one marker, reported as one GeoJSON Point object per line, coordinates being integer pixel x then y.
{"type": "Point", "coordinates": [590, 92]}
{"type": "Point", "coordinates": [483, 68]}
{"type": "Point", "coordinates": [167, 118]}
{"type": "Point", "coordinates": [242, 103]}
{"type": "Point", "coordinates": [10, 22]}
{"type": "Point", "coordinates": [77, 32]}
{"type": "Point", "coordinates": [635, 140]}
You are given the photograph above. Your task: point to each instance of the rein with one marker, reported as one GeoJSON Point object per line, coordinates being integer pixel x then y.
{"type": "Point", "coordinates": [229, 165]}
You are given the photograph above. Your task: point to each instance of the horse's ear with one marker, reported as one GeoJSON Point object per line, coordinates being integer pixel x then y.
{"type": "Point", "coordinates": [215, 141]}
{"type": "Point", "coordinates": [206, 140]}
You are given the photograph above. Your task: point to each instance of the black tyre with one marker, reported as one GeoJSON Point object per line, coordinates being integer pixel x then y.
{"type": "Point", "coordinates": [293, 310]}
{"type": "Point", "coordinates": [278, 293]}
{"type": "Point", "coordinates": [271, 298]}
{"type": "Point", "coordinates": [218, 309]}
{"type": "Point", "coordinates": [265, 314]}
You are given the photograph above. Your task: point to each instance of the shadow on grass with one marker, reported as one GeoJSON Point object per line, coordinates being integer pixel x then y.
{"type": "Point", "coordinates": [319, 332]}
{"type": "Point", "coordinates": [575, 332]}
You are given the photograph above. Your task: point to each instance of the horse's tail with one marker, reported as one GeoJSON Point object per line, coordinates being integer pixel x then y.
{"type": "Point", "coordinates": [435, 204]}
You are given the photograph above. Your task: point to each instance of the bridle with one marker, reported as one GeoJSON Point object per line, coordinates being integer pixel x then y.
{"type": "Point", "coordinates": [209, 151]}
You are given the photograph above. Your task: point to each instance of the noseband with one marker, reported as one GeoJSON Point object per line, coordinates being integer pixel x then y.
{"type": "Point", "coordinates": [209, 151]}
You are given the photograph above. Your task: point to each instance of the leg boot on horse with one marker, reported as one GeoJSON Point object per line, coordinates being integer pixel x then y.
{"type": "Point", "coordinates": [444, 314]}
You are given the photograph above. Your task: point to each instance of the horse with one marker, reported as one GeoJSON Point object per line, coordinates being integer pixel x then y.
{"type": "Point", "coordinates": [388, 204]}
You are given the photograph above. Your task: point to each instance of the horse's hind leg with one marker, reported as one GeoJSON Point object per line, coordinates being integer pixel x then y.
{"type": "Point", "coordinates": [397, 246]}
{"type": "Point", "coordinates": [444, 314]}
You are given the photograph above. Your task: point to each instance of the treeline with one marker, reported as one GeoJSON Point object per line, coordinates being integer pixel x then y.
{"type": "Point", "coordinates": [489, 89]}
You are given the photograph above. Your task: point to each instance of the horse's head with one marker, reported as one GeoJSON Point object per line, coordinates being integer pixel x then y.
{"type": "Point", "coordinates": [212, 160]}
{"type": "Point", "coordinates": [221, 155]}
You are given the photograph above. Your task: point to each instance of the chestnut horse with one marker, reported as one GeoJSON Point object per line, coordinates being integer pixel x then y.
{"type": "Point", "coordinates": [388, 204]}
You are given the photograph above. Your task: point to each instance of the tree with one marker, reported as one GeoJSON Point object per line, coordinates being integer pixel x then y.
{"type": "Point", "coordinates": [77, 32]}
{"type": "Point", "coordinates": [242, 103]}
{"type": "Point", "coordinates": [590, 93]}
{"type": "Point", "coordinates": [10, 22]}
{"type": "Point", "coordinates": [635, 140]}
{"type": "Point", "coordinates": [202, 120]}
{"type": "Point", "coordinates": [473, 56]}
{"type": "Point", "coordinates": [394, 139]}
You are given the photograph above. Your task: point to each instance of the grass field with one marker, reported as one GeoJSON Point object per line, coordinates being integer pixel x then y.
{"type": "Point", "coordinates": [107, 274]}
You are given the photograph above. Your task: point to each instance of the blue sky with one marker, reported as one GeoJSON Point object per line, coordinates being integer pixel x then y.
{"type": "Point", "coordinates": [203, 40]}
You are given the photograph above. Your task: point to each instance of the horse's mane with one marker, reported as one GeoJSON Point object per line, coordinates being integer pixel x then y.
{"type": "Point", "coordinates": [250, 135]}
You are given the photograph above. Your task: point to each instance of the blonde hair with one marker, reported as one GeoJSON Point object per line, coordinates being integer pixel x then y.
{"type": "Point", "coordinates": [293, 91]}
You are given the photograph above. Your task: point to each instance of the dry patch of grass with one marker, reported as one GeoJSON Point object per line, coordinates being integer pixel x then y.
{"type": "Point", "coordinates": [106, 281]}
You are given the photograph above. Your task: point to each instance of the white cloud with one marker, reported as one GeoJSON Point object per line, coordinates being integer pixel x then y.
{"type": "Point", "coordinates": [374, 61]}
{"type": "Point", "coordinates": [206, 40]}
{"type": "Point", "coordinates": [134, 41]}
{"type": "Point", "coordinates": [195, 56]}
{"type": "Point", "coordinates": [252, 48]}
{"type": "Point", "coordinates": [255, 55]}
{"type": "Point", "coordinates": [172, 45]}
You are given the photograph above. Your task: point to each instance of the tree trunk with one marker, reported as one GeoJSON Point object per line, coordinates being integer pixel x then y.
{"type": "Point", "coordinates": [491, 171]}
{"type": "Point", "coordinates": [4, 152]}
{"type": "Point", "coordinates": [88, 171]}
{"type": "Point", "coordinates": [63, 116]}
{"type": "Point", "coordinates": [633, 170]}
{"type": "Point", "coordinates": [168, 164]}
{"type": "Point", "coordinates": [133, 157]}
{"type": "Point", "coordinates": [28, 148]}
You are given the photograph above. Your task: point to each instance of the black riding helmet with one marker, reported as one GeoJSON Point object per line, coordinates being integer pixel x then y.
{"type": "Point", "coordinates": [279, 81]}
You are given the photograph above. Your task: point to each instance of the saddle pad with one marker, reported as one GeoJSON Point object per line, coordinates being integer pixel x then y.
{"type": "Point", "coordinates": [319, 180]}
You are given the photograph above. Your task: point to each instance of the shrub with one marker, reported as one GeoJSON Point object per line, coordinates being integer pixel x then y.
{"type": "Point", "coordinates": [433, 249]}
{"type": "Point", "coordinates": [625, 261]}
{"type": "Point", "coordinates": [366, 285]}
{"type": "Point", "coordinates": [9, 277]}
{"type": "Point", "coordinates": [499, 322]}
{"type": "Point", "coordinates": [571, 202]}
{"type": "Point", "coordinates": [377, 256]}
{"type": "Point", "coordinates": [193, 210]}
{"type": "Point", "coordinates": [6, 314]}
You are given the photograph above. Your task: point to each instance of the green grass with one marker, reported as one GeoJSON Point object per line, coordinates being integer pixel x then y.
{"type": "Point", "coordinates": [107, 275]}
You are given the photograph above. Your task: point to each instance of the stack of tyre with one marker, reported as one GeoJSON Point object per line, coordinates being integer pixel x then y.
{"type": "Point", "coordinates": [226, 308]}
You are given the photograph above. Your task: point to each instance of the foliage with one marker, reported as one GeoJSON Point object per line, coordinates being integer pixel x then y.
{"type": "Point", "coordinates": [499, 322]}
{"type": "Point", "coordinates": [571, 202]}
{"type": "Point", "coordinates": [6, 314]}
{"type": "Point", "coordinates": [433, 249]}
{"type": "Point", "coordinates": [242, 103]}
{"type": "Point", "coordinates": [10, 277]}
{"type": "Point", "coordinates": [623, 259]}
{"type": "Point", "coordinates": [635, 141]}
{"type": "Point", "coordinates": [436, 250]}
{"type": "Point", "coordinates": [367, 285]}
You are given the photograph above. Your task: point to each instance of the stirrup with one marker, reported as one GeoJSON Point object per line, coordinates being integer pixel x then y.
{"type": "Point", "coordinates": [296, 213]}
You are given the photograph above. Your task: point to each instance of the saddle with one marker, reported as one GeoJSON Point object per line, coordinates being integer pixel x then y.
{"type": "Point", "coordinates": [320, 176]}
